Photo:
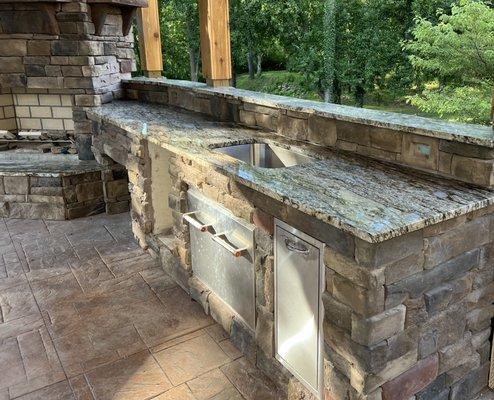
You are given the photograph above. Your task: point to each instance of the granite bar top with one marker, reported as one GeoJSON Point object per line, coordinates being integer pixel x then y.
{"type": "Point", "coordinates": [456, 132]}
{"type": "Point", "coordinates": [57, 166]}
{"type": "Point", "coordinates": [369, 199]}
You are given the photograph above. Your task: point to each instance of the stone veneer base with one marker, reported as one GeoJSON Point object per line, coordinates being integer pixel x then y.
{"type": "Point", "coordinates": [410, 316]}
{"type": "Point", "coordinates": [61, 190]}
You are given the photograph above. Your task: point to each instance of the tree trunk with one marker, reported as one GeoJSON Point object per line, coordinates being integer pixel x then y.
{"type": "Point", "coordinates": [194, 65]}
{"type": "Point", "coordinates": [259, 65]}
{"type": "Point", "coordinates": [329, 50]}
{"type": "Point", "coordinates": [250, 64]}
{"type": "Point", "coordinates": [337, 92]}
{"type": "Point", "coordinates": [193, 56]}
{"type": "Point", "coordinates": [359, 96]}
{"type": "Point", "coordinates": [492, 109]}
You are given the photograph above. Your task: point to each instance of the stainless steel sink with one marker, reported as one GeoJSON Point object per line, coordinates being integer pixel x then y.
{"type": "Point", "coordinates": [265, 155]}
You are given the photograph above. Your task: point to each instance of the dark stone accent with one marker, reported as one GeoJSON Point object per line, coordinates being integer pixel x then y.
{"type": "Point", "coordinates": [83, 144]}
{"type": "Point", "coordinates": [243, 339]}
{"type": "Point", "coordinates": [419, 283]}
{"type": "Point", "coordinates": [65, 48]}
{"type": "Point", "coordinates": [35, 70]}
{"type": "Point", "coordinates": [438, 298]}
{"type": "Point", "coordinates": [468, 387]}
{"type": "Point", "coordinates": [428, 344]}
{"type": "Point", "coordinates": [437, 390]}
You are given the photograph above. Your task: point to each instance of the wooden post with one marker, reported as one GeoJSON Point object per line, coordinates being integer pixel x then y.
{"type": "Point", "coordinates": [214, 20]}
{"type": "Point", "coordinates": [148, 23]}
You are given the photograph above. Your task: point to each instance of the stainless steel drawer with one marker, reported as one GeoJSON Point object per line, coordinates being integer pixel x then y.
{"type": "Point", "coordinates": [222, 249]}
{"type": "Point", "coordinates": [299, 285]}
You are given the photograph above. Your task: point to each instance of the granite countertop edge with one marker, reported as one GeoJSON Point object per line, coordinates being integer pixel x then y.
{"type": "Point", "coordinates": [457, 132]}
{"type": "Point", "coordinates": [202, 156]}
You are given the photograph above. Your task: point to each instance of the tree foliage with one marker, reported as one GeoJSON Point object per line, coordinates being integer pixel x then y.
{"type": "Point", "coordinates": [436, 54]}
{"type": "Point", "coordinates": [457, 55]}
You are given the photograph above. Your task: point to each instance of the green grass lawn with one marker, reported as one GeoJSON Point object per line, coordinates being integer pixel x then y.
{"type": "Point", "coordinates": [292, 84]}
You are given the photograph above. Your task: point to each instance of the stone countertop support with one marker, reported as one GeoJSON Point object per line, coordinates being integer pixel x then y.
{"type": "Point", "coordinates": [372, 200]}
{"type": "Point", "coordinates": [436, 128]}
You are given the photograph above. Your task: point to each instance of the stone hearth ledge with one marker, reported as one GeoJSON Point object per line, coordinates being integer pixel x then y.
{"type": "Point", "coordinates": [372, 200]}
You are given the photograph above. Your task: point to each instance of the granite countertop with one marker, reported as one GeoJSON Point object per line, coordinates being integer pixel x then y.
{"type": "Point", "coordinates": [45, 167]}
{"type": "Point", "coordinates": [462, 133]}
{"type": "Point", "coordinates": [369, 199]}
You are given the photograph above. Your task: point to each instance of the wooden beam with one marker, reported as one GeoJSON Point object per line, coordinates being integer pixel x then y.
{"type": "Point", "coordinates": [148, 23]}
{"type": "Point", "coordinates": [214, 20]}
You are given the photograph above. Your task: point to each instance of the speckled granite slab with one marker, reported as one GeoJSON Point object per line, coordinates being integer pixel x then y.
{"type": "Point", "coordinates": [462, 133]}
{"type": "Point", "coordinates": [371, 200]}
{"type": "Point", "coordinates": [46, 168]}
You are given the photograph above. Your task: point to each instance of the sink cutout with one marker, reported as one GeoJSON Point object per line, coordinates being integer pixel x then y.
{"type": "Point", "coordinates": [265, 155]}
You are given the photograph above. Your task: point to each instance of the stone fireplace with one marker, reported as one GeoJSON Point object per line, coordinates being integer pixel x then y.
{"type": "Point", "coordinates": [57, 58]}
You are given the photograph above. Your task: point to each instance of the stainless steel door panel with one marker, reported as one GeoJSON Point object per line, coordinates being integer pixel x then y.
{"type": "Point", "coordinates": [298, 311]}
{"type": "Point", "coordinates": [229, 274]}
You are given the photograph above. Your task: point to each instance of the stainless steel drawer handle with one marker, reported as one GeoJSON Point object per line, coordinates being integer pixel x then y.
{"type": "Point", "coordinates": [220, 238]}
{"type": "Point", "coordinates": [189, 217]}
{"type": "Point", "coordinates": [296, 247]}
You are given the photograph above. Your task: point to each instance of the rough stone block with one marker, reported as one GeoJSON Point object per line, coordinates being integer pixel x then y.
{"type": "Point", "coordinates": [370, 331]}
{"type": "Point", "coordinates": [386, 139]}
{"type": "Point", "coordinates": [221, 313]}
{"type": "Point", "coordinates": [39, 48]}
{"type": "Point", "coordinates": [322, 131]}
{"type": "Point", "coordinates": [367, 278]}
{"type": "Point", "coordinates": [454, 355]}
{"type": "Point", "coordinates": [263, 221]}
{"type": "Point", "coordinates": [354, 133]}
{"type": "Point", "coordinates": [117, 188]}
{"type": "Point", "coordinates": [452, 243]}
{"type": "Point", "coordinates": [412, 381]}
{"type": "Point", "coordinates": [364, 302]}
{"type": "Point", "coordinates": [420, 151]}
{"type": "Point", "coordinates": [422, 282]}
{"type": "Point", "coordinates": [438, 298]}
{"type": "Point", "coordinates": [379, 254]}
{"type": "Point", "coordinates": [468, 387]}
{"type": "Point", "coordinates": [264, 331]}
{"type": "Point", "coordinates": [336, 312]}
{"type": "Point", "coordinates": [295, 128]}
{"type": "Point", "coordinates": [10, 65]}
{"type": "Point", "coordinates": [437, 390]}
{"type": "Point", "coordinates": [16, 184]}
{"type": "Point", "coordinates": [466, 150]}
{"type": "Point", "coordinates": [13, 47]}
{"type": "Point", "coordinates": [473, 170]}
{"type": "Point", "coordinates": [89, 191]}
{"type": "Point", "coordinates": [403, 268]}
{"type": "Point", "coordinates": [428, 344]}
{"type": "Point", "coordinates": [119, 207]}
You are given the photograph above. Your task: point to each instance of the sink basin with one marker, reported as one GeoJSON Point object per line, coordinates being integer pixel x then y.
{"type": "Point", "coordinates": [265, 155]}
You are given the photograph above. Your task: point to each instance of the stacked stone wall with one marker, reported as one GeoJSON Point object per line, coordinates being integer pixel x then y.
{"type": "Point", "coordinates": [64, 196]}
{"type": "Point", "coordinates": [64, 56]}
{"type": "Point", "coordinates": [406, 318]}
{"type": "Point", "coordinates": [466, 162]}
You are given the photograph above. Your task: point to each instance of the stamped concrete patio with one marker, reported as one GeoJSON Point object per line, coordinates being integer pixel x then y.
{"type": "Point", "coordinates": [86, 314]}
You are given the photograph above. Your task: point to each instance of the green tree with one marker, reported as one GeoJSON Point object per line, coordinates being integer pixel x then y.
{"type": "Point", "coordinates": [454, 60]}
{"type": "Point", "coordinates": [179, 21]}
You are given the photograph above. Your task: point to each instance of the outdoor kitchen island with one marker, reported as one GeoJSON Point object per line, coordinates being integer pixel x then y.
{"type": "Point", "coordinates": [406, 256]}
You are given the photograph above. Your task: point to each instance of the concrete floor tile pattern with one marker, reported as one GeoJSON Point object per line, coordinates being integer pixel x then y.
{"type": "Point", "coordinates": [85, 314]}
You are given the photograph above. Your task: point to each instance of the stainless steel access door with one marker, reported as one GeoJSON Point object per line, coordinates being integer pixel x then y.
{"type": "Point", "coordinates": [222, 248]}
{"type": "Point", "coordinates": [298, 305]}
